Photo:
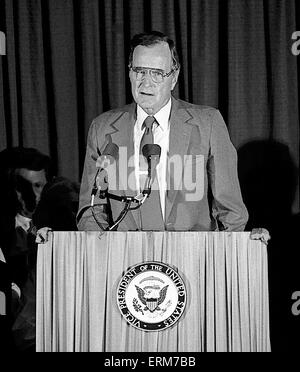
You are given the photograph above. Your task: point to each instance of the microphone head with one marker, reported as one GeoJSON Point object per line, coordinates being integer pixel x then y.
{"type": "Point", "coordinates": [151, 150]}
{"type": "Point", "coordinates": [111, 149]}
{"type": "Point", "coordinates": [108, 156]}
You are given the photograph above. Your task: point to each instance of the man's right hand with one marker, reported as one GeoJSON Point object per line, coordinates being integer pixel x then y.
{"type": "Point", "coordinates": [42, 235]}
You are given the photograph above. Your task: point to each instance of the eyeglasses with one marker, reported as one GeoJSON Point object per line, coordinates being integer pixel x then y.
{"type": "Point", "coordinates": [156, 75]}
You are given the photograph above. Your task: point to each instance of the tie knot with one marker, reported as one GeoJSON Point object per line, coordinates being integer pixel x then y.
{"type": "Point", "coordinates": [148, 123]}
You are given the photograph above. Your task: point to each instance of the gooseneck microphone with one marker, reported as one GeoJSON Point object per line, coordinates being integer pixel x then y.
{"type": "Point", "coordinates": [152, 153]}
{"type": "Point", "coordinates": [108, 156]}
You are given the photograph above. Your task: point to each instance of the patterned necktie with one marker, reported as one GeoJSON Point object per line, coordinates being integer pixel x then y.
{"type": "Point", "coordinates": [147, 139]}
{"type": "Point", "coordinates": [148, 134]}
{"type": "Point", "coordinates": [151, 216]}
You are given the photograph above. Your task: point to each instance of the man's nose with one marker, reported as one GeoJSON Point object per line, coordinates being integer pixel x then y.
{"type": "Point", "coordinates": [147, 80]}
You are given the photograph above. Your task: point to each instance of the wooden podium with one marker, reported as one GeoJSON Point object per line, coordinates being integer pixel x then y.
{"type": "Point", "coordinates": [226, 279]}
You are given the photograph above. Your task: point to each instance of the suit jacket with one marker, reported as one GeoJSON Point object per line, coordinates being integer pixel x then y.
{"type": "Point", "coordinates": [208, 197]}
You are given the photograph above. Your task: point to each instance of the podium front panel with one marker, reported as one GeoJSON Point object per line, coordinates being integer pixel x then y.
{"type": "Point", "coordinates": [226, 279]}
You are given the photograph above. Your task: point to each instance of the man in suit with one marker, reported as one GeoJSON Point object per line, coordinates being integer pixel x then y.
{"type": "Point", "coordinates": [24, 173]}
{"type": "Point", "coordinates": [195, 187]}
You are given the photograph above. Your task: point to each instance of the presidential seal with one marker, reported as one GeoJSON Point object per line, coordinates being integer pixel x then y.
{"type": "Point", "coordinates": [151, 296]}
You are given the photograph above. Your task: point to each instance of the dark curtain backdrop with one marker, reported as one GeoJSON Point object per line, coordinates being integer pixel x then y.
{"type": "Point", "coordinates": [67, 62]}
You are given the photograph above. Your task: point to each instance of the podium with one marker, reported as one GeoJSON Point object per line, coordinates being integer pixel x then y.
{"type": "Point", "coordinates": [225, 276]}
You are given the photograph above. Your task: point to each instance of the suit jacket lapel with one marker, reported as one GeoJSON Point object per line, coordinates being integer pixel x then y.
{"type": "Point", "coordinates": [180, 133]}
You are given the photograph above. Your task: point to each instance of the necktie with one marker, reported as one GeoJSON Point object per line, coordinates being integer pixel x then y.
{"type": "Point", "coordinates": [151, 216]}
{"type": "Point", "coordinates": [147, 139]}
{"type": "Point", "coordinates": [148, 134]}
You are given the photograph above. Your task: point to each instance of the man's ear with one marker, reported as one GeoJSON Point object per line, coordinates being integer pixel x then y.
{"type": "Point", "coordinates": [130, 74]}
{"type": "Point", "coordinates": [175, 78]}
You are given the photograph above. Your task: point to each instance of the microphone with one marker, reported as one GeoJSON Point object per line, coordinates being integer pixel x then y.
{"type": "Point", "coordinates": [152, 153]}
{"type": "Point", "coordinates": [109, 155]}
{"type": "Point", "coordinates": [101, 182]}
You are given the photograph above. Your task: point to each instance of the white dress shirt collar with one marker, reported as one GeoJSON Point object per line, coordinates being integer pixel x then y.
{"type": "Point", "coordinates": [162, 116]}
{"type": "Point", "coordinates": [22, 221]}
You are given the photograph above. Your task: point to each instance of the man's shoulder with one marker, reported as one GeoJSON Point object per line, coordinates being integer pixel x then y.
{"type": "Point", "coordinates": [199, 109]}
{"type": "Point", "coordinates": [113, 114]}
{"type": "Point", "coordinates": [203, 115]}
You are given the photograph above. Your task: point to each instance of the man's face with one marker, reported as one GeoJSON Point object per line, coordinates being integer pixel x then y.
{"type": "Point", "coordinates": [152, 96]}
{"type": "Point", "coordinates": [30, 186]}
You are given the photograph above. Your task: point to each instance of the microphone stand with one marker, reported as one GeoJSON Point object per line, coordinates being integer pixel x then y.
{"type": "Point", "coordinates": [128, 200]}
{"type": "Point", "coordinates": [140, 199]}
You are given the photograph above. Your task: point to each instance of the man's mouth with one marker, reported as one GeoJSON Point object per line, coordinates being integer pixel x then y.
{"type": "Point", "coordinates": [146, 94]}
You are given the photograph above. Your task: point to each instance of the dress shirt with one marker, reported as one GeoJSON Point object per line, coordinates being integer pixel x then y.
{"type": "Point", "coordinates": [22, 221]}
{"type": "Point", "coordinates": [161, 133]}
